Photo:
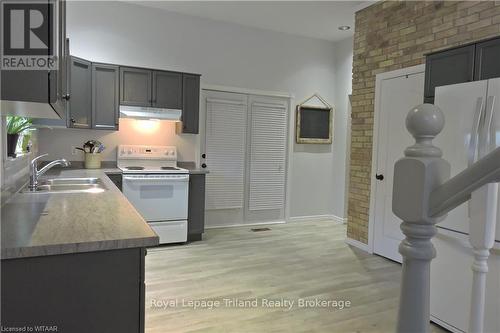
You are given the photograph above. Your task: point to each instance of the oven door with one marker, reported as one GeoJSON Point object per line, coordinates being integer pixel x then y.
{"type": "Point", "coordinates": [158, 197]}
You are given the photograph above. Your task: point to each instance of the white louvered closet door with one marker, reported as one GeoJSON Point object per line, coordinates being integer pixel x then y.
{"type": "Point", "coordinates": [226, 130]}
{"type": "Point", "coordinates": [268, 137]}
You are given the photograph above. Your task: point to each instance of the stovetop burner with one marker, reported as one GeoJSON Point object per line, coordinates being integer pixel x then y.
{"type": "Point", "coordinates": [134, 168]}
{"type": "Point", "coordinates": [169, 168]}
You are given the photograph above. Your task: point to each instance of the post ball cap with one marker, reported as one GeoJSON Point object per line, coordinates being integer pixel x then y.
{"type": "Point", "coordinates": [425, 120]}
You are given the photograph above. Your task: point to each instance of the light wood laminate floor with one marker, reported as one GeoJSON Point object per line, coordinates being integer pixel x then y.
{"type": "Point", "coordinates": [295, 261]}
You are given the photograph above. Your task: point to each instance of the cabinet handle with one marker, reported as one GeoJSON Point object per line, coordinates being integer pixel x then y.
{"type": "Point", "coordinates": [80, 125]}
{"type": "Point", "coordinates": [66, 97]}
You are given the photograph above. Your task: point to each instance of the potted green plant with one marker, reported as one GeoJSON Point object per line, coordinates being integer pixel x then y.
{"type": "Point", "coordinates": [15, 126]}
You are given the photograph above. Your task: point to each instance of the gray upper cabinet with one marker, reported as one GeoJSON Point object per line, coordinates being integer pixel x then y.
{"type": "Point", "coordinates": [80, 88]}
{"type": "Point", "coordinates": [472, 62]}
{"type": "Point", "coordinates": [135, 86]}
{"type": "Point", "coordinates": [58, 79]}
{"type": "Point", "coordinates": [487, 64]}
{"type": "Point", "coordinates": [39, 86]}
{"type": "Point", "coordinates": [167, 90]}
{"type": "Point", "coordinates": [190, 103]}
{"type": "Point", "coordinates": [448, 67]}
{"type": "Point", "coordinates": [105, 96]}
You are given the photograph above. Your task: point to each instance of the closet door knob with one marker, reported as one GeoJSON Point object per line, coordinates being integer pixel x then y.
{"type": "Point", "coordinates": [379, 177]}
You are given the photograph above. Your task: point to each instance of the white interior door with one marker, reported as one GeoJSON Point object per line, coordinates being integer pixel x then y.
{"type": "Point", "coordinates": [225, 149]}
{"type": "Point", "coordinates": [396, 95]}
{"type": "Point", "coordinates": [267, 158]}
{"type": "Point", "coordinates": [246, 155]}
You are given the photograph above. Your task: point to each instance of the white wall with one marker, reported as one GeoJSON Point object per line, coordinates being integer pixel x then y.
{"type": "Point", "coordinates": [225, 54]}
{"type": "Point", "coordinates": [59, 142]}
{"type": "Point", "coordinates": [343, 88]}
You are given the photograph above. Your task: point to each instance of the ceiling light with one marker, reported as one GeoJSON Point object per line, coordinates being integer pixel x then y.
{"type": "Point", "coordinates": [344, 27]}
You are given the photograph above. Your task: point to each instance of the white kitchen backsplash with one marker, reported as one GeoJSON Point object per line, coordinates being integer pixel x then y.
{"type": "Point", "coordinates": [59, 142]}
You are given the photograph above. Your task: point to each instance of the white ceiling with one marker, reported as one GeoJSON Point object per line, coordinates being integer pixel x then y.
{"type": "Point", "coordinates": [316, 19]}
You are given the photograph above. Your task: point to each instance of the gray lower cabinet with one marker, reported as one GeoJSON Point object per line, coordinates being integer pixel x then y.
{"type": "Point", "coordinates": [167, 90]}
{"type": "Point", "coordinates": [190, 103]}
{"type": "Point", "coordinates": [105, 96]}
{"type": "Point", "coordinates": [196, 207]}
{"type": "Point", "coordinates": [487, 65]}
{"type": "Point", "coordinates": [135, 86]}
{"type": "Point", "coordinates": [116, 178]}
{"type": "Point", "coordinates": [448, 67]}
{"type": "Point", "coordinates": [78, 293]}
{"type": "Point", "coordinates": [80, 89]}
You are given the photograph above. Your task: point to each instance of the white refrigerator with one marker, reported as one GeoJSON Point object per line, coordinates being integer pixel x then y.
{"type": "Point", "coordinates": [472, 119]}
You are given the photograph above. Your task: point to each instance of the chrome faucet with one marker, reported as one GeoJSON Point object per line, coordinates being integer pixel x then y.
{"type": "Point", "coordinates": [35, 173]}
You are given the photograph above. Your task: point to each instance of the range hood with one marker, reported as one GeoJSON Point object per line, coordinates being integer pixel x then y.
{"type": "Point", "coordinates": [144, 112]}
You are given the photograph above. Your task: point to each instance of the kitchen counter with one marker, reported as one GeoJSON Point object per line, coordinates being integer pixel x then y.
{"type": "Point", "coordinates": [60, 223]}
{"type": "Point", "coordinates": [193, 169]}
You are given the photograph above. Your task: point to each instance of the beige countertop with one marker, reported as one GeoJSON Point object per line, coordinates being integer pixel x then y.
{"type": "Point", "coordinates": [61, 223]}
{"type": "Point", "coordinates": [193, 169]}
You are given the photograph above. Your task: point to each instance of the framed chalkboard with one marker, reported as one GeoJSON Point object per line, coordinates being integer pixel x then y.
{"type": "Point", "coordinates": [314, 124]}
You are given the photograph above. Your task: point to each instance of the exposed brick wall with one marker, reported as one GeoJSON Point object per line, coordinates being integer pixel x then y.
{"type": "Point", "coordinates": [390, 35]}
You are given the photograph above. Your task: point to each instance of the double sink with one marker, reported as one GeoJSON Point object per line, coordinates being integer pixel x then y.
{"type": "Point", "coordinates": [69, 185]}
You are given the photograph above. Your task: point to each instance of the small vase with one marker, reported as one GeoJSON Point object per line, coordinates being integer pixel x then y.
{"type": "Point", "coordinates": [12, 144]}
{"type": "Point", "coordinates": [92, 161]}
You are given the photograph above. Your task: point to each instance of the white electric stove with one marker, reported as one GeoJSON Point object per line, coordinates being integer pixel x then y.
{"type": "Point", "coordinates": [157, 188]}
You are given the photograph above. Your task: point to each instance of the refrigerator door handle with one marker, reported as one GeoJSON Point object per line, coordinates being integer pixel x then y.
{"type": "Point", "coordinates": [476, 128]}
{"type": "Point", "coordinates": [487, 144]}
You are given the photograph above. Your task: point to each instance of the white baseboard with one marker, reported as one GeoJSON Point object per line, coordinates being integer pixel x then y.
{"type": "Point", "coordinates": [339, 220]}
{"type": "Point", "coordinates": [445, 325]}
{"type": "Point", "coordinates": [243, 225]}
{"type": "Point", "coordinates": [335, 219]}
{"type": "Point", "coordinates": [358, 244]}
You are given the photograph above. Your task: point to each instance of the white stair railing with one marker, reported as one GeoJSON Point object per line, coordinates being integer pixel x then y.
{"type": "Point", "coordinates": [423, 194]}
{"type": "Point", "coordinates": [483, 219]}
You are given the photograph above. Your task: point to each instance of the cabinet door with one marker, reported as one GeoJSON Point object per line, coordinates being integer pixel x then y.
{"type": "Point", "coordinates": [80, 86]}
{"type": "Point", "coordinates": [190, 103]}
{"type": "Point", "coordinates": [487, 60]}
{"type": "Point", "coordinates": [167, 90]}
{"type": "Point", "coordinates": [196, 206]}
{"type": "Point", "coordinates": [105, 99]}
{"type": "Point", "coordinates": [448, 67]}
{"type": "Point", "coordinates": [58, 78]}
{"type": "Point", "coordinates": [135, 86]}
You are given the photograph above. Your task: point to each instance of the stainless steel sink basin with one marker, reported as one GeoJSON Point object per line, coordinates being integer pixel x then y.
{"type": "Point", "coordinates": [69, 185]}
{"type": "Point", "coordinates": [70, 181]}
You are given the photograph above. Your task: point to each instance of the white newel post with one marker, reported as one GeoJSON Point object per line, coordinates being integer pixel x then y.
{"type": "Point", "coordinates": [415, 177]}
{"type": "Point", "coordinates": [483, 219]}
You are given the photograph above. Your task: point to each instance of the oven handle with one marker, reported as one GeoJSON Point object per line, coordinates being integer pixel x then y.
{"type": "Point", "coordinates": [161, 179]}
